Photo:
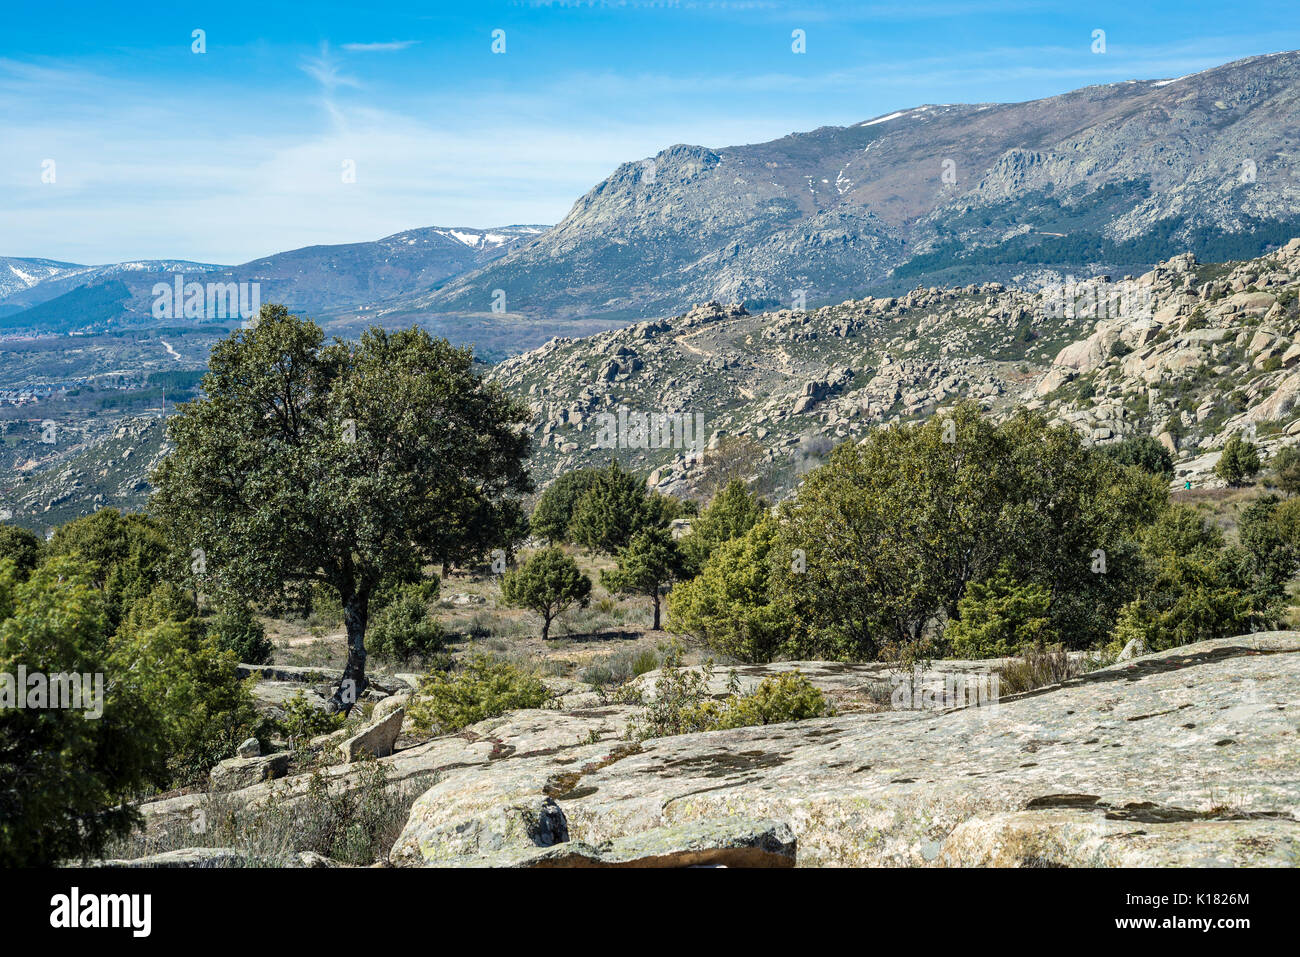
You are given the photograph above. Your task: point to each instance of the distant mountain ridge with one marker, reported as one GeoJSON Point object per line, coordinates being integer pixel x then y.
{"type": "Point", "coordinates": [1111, 177]}
{"type": "Point", "coordinates": [44, 295]}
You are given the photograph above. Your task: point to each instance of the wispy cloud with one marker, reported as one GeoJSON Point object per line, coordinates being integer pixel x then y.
{"type": "Point", "coordinates": [388, 47]}
{"type": "Point", "coordinates": [325, 70]}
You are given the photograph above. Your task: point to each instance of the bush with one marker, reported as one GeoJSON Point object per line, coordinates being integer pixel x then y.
{"type": "Point", "coordinates": [1142, 452]}
{"type": "Point", "coordinates": [999, 617]}
{"type": "Point", "coordinates": [126, 555]}
{"type": "Point", "coordinates": [682, 703]}
{"type": "Point", "coordinates": [403, 629]}
{"type": "Point", "coordinates": [732, 513]}
{"type": "Point", "coordinates": [301, 720]}
{"type": "Point", "coordinates": [1285, 464]}
{"type": "Point", "coordinates": [21, 547]}
{"type": "Point", "coordinates": [784, 697]}
{"type": "Point", "coordinates": [1193, 588]}
{"type": "Point", "coordinates": [548, 583]}
{"type": "Point", "coordinates": [484, 689]}
{"type": "Point", "coordinates": [204, 710]}
{"type": "Point", "coordinates": [893, 530]}
{"type": "Point", "coordinates": [65, 781]}
{"type": "Point", "coordinates": [730, 604]}
{"type": "Point", "coordinates": [1238, 463]}
{"type": "Point", "coordinates": [611, 511]}
{"type": "Point", "coordinates": [239, 632]}
{"type": "Point", "coordinates": [554, 509]}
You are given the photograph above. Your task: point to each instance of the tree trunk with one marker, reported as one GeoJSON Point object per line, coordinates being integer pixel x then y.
{"type": "Point", "coordinates": [656, 597]}
{"type": "Point", "coordinates": [546, 627]}
{"type": "Point", "coordinates": [356, 611]}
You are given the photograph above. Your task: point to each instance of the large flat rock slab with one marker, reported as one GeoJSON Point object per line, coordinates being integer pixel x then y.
{"type": "Point", "coordinates": [1186, 757]}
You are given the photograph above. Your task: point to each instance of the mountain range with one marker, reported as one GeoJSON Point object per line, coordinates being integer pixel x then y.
{"type": "Point", "coordinates": [39, 295]}
{"type": "Point", "coordinates": [1107, 178]}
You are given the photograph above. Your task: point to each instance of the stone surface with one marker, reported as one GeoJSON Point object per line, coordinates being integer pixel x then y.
{"type": "Point", "coordinates": [1135, 648]}
{"type": "Point", "coordinates": [375, 741]}
{"type": "Point", "coordinates": [249, 749]}
{"type": "Point", "coordinates": [238, 773]}
{"type": "Point", "coordinates": [1183, 757]}
{"type": "Point", "coordinates": [720, 842]}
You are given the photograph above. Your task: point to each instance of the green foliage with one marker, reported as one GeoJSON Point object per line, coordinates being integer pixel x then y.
{"type": "Point", "coordinates": [1239, 462]}
{"type": "Point", "coordinates": [21, 547]}
{"type": "Point", "coordinates": [548, 583]}
{"type": "Point", "coordinates": [649, 563]}
{"type": "Point", "coordinates": [682, 703]}
{"type": "Point", "coordinates": [403, 629]}
{"type": "Point", "coordinates": [301, 720]}
{"type": "Point", "coordinates": [64, 779]}
{"type": "Point", "coordinates": [732, 513]}
{"type": "Point", "coordinates": [238, 631]}
{"type": "Point", "coordinates": [1000, 617]}
{"type": "Point", "coordinates": [1192, 587]}
{"type": "Point", "coordinates": [202, 709]}
{"type": "Point", "coordinates": [126, 555]}
{"type": "Point", "coordinates": [730, 605]}
{"type": "Point", "coordinates": [1285, 464]}
{"type": "Point", "coordinates": [788, 696]}
{"type": "Point", "coordinates": [611, 511]}
{"type": "Point", "coordinates": [445, 703]}
{"type": "Point", "coordinates": [1271, 549]}
{"type": "Point", "coordinates": [342, 463]}
{"type": "Point", "coordinates": [554, 509]}
{"type": "Point", "coordinates": [1142, 452]}
{"type": "Point", "coordinates": [894, 530]}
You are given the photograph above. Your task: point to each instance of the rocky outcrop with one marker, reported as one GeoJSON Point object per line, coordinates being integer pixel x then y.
{"type": "Point", "coordinates": [375, 741]}
{"type": "Point", "coordinates": [721, 842]}
{"type": "Point", "coordinates": [237, 773]}
{"type": "Point", "coordinates": [1184, 757]}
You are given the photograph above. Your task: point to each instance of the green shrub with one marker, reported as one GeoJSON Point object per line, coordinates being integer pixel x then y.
{"type": "Point", "coordinates": [204, 709]}
{"type": "Point", "coordinates": [238, 631]}
{"type": "Point", "coordinates": [301, 720]}
{"type": "Point", "coordinates": [1193, 587]}
{"type": "Point", "coordinates": [484, 689]}
{"type": "Point", "coordinates": [999, 617]}
{"type": "Point", "coordinates": [21, 546]}
{"type": "Point", "coordinates": [1143, 452]}
{"type": "Point", "coordinates": [547, 583]}
{"type": "Point", "coordinates": [613, 509]}
{"type": "Point", "coordinates": [785, 697]}
{"type": "Point", "coordinates": [65, 781]}
{"type": "Point", "coordinates": [554, 509]}
{"type": "Point", "coordinates": [683, 704]}
{"type": "Point", "coordinates": [403, 628]}
{"type": "Point", "coordinates": [1239, 461]}
{"type": "Point", "coordinates": [730, 604]}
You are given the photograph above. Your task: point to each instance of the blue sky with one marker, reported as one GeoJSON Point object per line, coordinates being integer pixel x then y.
{"type": "Point", "coordinates": [238, 152]}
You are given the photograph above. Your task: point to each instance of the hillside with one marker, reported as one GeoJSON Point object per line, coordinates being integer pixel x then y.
{"type": "Point", "coordinates": [1202, 351]}
{"type": "Point", "coordinates": [1107, 178]}
{"type": "Point", "coordinates": [317, 280]}
{"type": "Point", "coordinates": [1207, 350]}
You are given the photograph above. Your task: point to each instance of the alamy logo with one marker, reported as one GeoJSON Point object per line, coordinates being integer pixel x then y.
{"type": "Point", "coordinates": [1097, 299]}
{"type": "Point", "coordinates": [651, 430]}
{"type": "Point", "coordinates": [37, 691]}
{"type": "Point", "coordinates": [912, 692]}
{"type": "Point", "coordinates": [214, 300]}
{"type": "Point", "coordinates": [74, 909]}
